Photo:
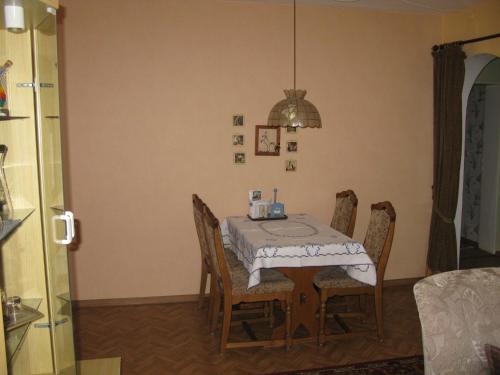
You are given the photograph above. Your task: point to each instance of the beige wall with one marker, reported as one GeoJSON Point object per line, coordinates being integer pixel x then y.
{"type": "Point", "coordinates": [475, 22]}
{"type": "Point", "coordinates": [149, 95]}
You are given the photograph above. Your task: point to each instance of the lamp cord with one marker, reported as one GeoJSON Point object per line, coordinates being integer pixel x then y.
{"type": "Point", "coordinates": [294, 45]}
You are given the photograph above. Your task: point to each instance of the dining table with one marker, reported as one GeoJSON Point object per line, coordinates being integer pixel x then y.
{"type": "Point", "coordinates": [298, 246]}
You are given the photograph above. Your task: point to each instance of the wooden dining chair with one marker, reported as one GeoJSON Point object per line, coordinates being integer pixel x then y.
{"type": "Point", "coordinates": [231, 282]}
{"type": "Point", "coordinates": [334, 281]}
{"type": "Point", "coordinates": [206, 268]}
{"type": "Point", "coordinates": [205, 258]}
{"type": "Point", "coordinates": [344, 216]}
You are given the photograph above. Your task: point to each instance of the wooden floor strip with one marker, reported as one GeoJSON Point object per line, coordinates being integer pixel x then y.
{"type": "Point", "coordinates": [104, 366]}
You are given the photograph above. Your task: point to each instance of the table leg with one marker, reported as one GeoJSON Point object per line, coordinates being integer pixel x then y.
{"type": "Point", "coordinates": [305, 298]}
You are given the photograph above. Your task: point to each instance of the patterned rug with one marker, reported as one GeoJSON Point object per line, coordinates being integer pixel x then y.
{"type": "Point", "coordinates": [397, 366]}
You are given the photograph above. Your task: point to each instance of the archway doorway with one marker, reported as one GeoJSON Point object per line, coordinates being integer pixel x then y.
{"type": "Point", "coordinates": [478, 210]}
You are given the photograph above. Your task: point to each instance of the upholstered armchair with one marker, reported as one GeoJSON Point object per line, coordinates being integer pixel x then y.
{"type": "Point", "coordinates": [459, 313]}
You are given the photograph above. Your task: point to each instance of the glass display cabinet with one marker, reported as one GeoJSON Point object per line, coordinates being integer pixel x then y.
{"type": "Point", "coordinates": [37, 331]}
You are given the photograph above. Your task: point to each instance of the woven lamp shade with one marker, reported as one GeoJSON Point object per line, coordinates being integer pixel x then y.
{"type": "Point", "coordinates": [294, 111]}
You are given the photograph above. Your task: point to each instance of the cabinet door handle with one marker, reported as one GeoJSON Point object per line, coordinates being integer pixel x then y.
{"type": "Point", "coordinates": [69, 225]}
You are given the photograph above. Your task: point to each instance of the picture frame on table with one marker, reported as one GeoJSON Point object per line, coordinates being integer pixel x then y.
{"type": "Point", "coordinates": [267, 140]}
{"type": "Point", "coordinates": [291, 129]}
{"type": "Point", "coordinates": [255, 195]}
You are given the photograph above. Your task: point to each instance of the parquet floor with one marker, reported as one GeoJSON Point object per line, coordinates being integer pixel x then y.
{"type": "Point", "coordinates": [173, 339]}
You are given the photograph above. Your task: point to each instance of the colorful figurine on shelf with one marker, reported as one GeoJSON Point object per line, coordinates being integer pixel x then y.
{"type": "Point", "coordinates": [4, 111]}
{"type": "Point", "coordinates": [3, 96]}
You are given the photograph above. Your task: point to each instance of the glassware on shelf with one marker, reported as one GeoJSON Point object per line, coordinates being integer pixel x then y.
{"type": "Point", "coordinates": [4, 108]}
{"type": "Point", "coordinates": [6, 209]}
{"type": "Point", "coordinates": [18, 312]}
{"type": "Point", "coordinates": [13, 307]}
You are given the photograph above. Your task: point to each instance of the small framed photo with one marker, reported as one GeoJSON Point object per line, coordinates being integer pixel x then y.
{"type": "Point", "coordinates": [291, 129]}
{"type": "Point", "coordinates": [239, 158]}
{"type": "Point", "coordinates": [291, 146]}
{"type": "Point", "coordinates": [291, 165]}
{"type": "Point", "coordinates": [255, 195]}
{"type": "Point", "coordinates": [238, 120]}
{"type": "Point", "coordinates": [267, 140]}
{"type": "Point", "coordinates": [238, 140]}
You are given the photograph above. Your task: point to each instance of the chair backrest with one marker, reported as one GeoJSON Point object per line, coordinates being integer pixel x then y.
{"type": "Point", "coordinates": [216, 250]}
{"type": "Point", "coordinates": [344, 216]}
{"type": "Point", "coordinates": [379, 235]}
{"type": "Point", "coordinates": [200, 228]}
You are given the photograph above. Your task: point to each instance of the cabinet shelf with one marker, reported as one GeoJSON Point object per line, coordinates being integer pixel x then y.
{"type": "Point", "coordinates": [16, 332]}
{"type": "Point", "coordinates": [28, 313]}
{"type": "Point", "coordinates": [65, 297]}
{"type": "Point", "coordinates": [58, 207]}
{"type": "Point", "coordinates": [9, 225]}
{"type": "Point", "coordinates": [8, 118]}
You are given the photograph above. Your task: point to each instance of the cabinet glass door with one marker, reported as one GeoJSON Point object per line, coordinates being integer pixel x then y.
{"type": "Point", "coordinates": [57, 225]}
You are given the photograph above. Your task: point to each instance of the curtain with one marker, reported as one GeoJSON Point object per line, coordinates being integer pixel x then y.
{"type": "Point", "coordinates": [449, 72]}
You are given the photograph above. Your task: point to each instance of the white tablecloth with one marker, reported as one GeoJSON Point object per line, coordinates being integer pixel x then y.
{"type": "Point", "coordinates": [299, 241]}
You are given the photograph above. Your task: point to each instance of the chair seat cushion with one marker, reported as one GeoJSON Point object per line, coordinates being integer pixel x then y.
{"type": "Point", "coordinates": [266, 274]}
{"type": "Point", "coordinates": [271, 281]}
{"type": "Point", "coordinates": [335, 277]}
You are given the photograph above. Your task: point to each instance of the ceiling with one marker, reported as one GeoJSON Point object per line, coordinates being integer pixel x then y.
{"type": "Point", "coordinates": [427, 6]}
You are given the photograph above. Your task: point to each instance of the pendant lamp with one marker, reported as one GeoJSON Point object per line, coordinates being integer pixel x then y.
{"type": "Point", "coordinates": [294, 111]}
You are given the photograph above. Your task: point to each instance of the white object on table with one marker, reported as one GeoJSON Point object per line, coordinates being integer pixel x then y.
{"type": "Point", "coordinates": [299, 241]}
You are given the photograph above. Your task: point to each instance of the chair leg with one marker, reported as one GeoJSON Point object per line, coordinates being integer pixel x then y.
{"type": "Point", "coordinates": [288, 322]}
{"type": "Point", "coordinates": [215, 311]}
{"type": "Point", "coordinates": [271, 314]}
{"type": "Point", "coordinates": [378, 313]}
{"type": "Point", "coordinates": [322, 317]}
{"type": "Point", "coordinates": [203, 284]}
{"type": "Point", "coordinates": [226, 324]}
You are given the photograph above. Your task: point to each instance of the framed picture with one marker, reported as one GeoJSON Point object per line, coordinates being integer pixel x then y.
{"type": "Point", "coordinates": [255, 195]}
{"type": "Point", "coordinates": [238, 120]}
{"type": "Point", "coordinates": [291, 165]}
{"type": "Point", "coordinates": [291, 129]}
{"type": "Point", "coordinates": [239, 158]}
{"type": "Point", "coordinates": [267, 140]}
{"type": "Point", "coordinates": [238, 140]}
{"type": "Point", "coordinates": [291, 146]}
